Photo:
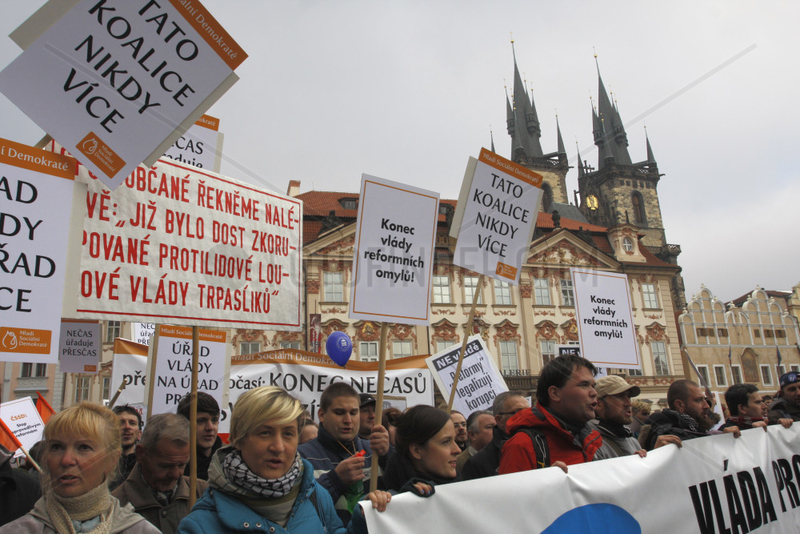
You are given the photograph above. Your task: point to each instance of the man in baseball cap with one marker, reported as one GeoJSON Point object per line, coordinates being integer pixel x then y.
{"type": "Point", "coordinates": [787, 406]}
{"type": "Point", "coordinates": [366, 410]}
{"type": "Point", "coordinates": [613, 412]}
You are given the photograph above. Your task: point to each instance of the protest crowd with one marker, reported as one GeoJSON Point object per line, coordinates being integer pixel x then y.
{"type": "Point", "coordinates": [102, 472]}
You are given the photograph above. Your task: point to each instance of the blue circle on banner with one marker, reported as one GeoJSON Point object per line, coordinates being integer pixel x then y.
{"type": "Point", "coordinates": [597, 518]}
{"type": "Point", "coordinates": [339, 347]}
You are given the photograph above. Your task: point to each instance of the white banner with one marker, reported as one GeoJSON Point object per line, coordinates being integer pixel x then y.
{"type": "Point", "coordinates": [200, 146]}
{"type": "Point", "coordinates": [116, 82]}
{"type": "Point", "coordinates": [305, 375]}
{"type": "Point", "coordinates": [80, 347]}
{"type": "Point", "coordinates": [21, 417]}
{"type": "Point", "coordinates": [179, 245]}
{"type": "Point", "coordinates": [130, 364]}
{"type": "Point", "coordinates": [714, 484]}
{"type": "Point", "coordinates": [36, 188]}
{"type": "Point", "coordinates": [495, 216]}
{"type": "Point", "coordinates": [479, 382]}
{"type": "Point", "coordinates": [173, 375]}
{"type": "Point", "coordinates": [393, 252]}
{"type": "Point", "coordinates": [605, 319]}
{"type": "Point", "coordinates": [142, 333]}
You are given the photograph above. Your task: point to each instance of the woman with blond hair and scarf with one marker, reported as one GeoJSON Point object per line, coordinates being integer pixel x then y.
{"type": "Point", "coordinates": [81, 449]}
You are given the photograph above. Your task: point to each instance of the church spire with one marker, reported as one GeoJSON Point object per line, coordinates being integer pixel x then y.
{"type": "Point", "coordinates": [527, 130]}
{"type": "Point", "coordinates": [650, 157]}
{"type": "Point", "coordinates": [561, 149]}
{"type": "Point", "coordinates": [613, 141]}
{"type": "Point", "coordinates": [581, 170]}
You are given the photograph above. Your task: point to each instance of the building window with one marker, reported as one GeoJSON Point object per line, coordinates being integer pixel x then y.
{"type": "Point", "coordinates": [368, 351]}
{"type": "Point", "coordinates": [441, 289]}
{"type": "Point", "coordinates": [348, 203]}
{"type": "Point", "coordinates": [736, 374]}
{"type": "Point", "coordinates": [720, 376]}
{"type": "Point", "coordinates": [541, 291]}
{"type": "Point", "coordinates": [82, 386]}
{"type": "Point", "coordinates": [567, 295]}
{"type": "Point", "coordinates": [442, 345]}
{"type": "Point", "coordinates": [548, 348]}
{"type": "Point", "coordinates": [401, 349]}
{"type": "Point", "coordinates": [508, 355]}
{"type": "Point", "coordinates": [781, 371]}
{"type": "Point", "coordinates": [33, 370]}
{"type": "Point", "coordinates": [334, 287]}
{"type": "Point", "coordinates": [660, 362]}
{"type": "Point", "coordinates": [649, 295]}
{"type": "Point", "coordinates": [722, 332]}
{"type": "Point", "coordinates": [502, 293]}
{"type": "Point", "coordinates": [635, 372]}
{"type": "Point", "coordinates": [795, 368]}
{"type": "Point", "coordinates": [113, 329]}
{"type": "Point", "coordinates": [703, 370]}
{"type": "Point", "coordinates": [106, 388]}
{"type": "Point", "coordinates": [766, 375]}
{"type": "Point", "coordinates": [638, 208]}
{"type": "Point", "coordinates": [249, 347]}
{"type": "Point", "coordinates": [470, 286]}
{"type": "Point", "coordinates": [627, 244]}
{"type": "Point", "coordinates": [290, 345]}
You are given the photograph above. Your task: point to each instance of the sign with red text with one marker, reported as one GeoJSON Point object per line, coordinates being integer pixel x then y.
{"type": "Point", "coordinates": [495, 216]}
{"type": "Point", "coordinates": [179, 245]}
{"type": "Point", "coordinates": [173, 374]}
{"type": "Point", "coordinates": [200, 145]}
{"type": "Point", "coordinates": [605, 319]}
{"type": "Point", "coordinates": [80, 347]}
{"type": "Point", "coordinates": [130, 365]}
{"type": "Point", "coordinates": [393, 252]}
{"type": "Point", "coordinates": [22, 418]}
{"type": "Point", "coordinates": [36, 200]}
{"type": "Point", "coordinates": [117, 82]}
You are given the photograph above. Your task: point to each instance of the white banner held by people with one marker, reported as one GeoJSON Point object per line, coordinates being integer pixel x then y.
{"type": "Point", "coordinates": [116, 82]}
{"type": "Point", "coordinates": [605, 319]}
{"type": "Point", "coordinates": [36, 188]}
{"type": "Point", "coordinates": [479, 382]}
{"type": "Point", "coordinates": [713, 484]}
{"type": "Point", "coordinates": [80, 347]}
{"type": "Point", "coordinates": [393, 252]}
{"type": "Point", "coordinates": [496, 216]}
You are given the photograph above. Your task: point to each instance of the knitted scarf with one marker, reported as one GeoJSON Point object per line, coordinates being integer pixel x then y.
{"type": "Point", "coordinates": [66, 513]}
{"type": "Point", "coordinates": [242, 476]}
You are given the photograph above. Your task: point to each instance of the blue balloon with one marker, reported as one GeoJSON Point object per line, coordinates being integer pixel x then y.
{"type": "Point", "coordinates": [340, 347]}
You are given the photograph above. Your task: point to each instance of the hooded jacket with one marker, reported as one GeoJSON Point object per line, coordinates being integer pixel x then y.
{"type": "Point", "coordinates": [518, 452]}
{"type": "Point", "coordinates": [669, 422]}
{"type": "Point", "coordinates": [783, 409]}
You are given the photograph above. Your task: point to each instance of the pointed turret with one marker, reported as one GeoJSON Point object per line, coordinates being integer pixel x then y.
{"type": "Point", "coordinates": [650, 157]}
{"type": "Point", "coordinates": [491, 136]}
{"type": "Point", "coordinates": [613, 131]}
{"type": "Point", "coordinates": [581, 171]}
{"type": "Point", "coordinates": [561, 149]}
{"type": "Point", "coordinates": [527, 130]}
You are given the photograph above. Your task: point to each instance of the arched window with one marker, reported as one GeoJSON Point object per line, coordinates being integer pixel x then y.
{"type": "Point", "coordinates": [638, 208]}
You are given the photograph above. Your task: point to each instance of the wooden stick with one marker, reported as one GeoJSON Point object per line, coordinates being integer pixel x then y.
{"type": "Point", "coordinates": [467, 331]}
{"type": "Point", "coordinates": [193, 418]}
{"type": "Point", "coordinates": [30, 459]}
{"type": "Point", "coordinates": [151, 370]}
{"type": "Point", "coordinates": [113, 400]}
{"type": "Point", "coordinates": [373, 480]}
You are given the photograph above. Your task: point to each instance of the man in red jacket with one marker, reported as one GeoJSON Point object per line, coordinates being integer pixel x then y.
{"type": "Point", "coordinates": [554, 432]}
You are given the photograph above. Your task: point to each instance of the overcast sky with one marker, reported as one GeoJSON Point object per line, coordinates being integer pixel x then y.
{"type": "Point", "coordinates": [408, 90]}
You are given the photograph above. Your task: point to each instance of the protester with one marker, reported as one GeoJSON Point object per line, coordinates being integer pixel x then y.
{"type": "Point", "coordinates": [554, 432]}
{"type": "Point", "coordinates": [208, 442]}
{"type": "Point", "coordinates": [82, 448]}
{"type": "Point", "coordinates": [460, 423]}
{"type": "Point", "coordinates": [426, 451]}
{"type": "Point", "coordinates": [480, 425]}
{"type": "Point", "coordinates": [310, 428]}
{"type": "Point", "coordinates": [614, 411]}
{"type": "Point", "coordinates": [339, 465]}
{"type": "Point", "coordinates": [19, 490]}
{"type": "Point", "coordinates": [157, 487]}
{"type": "Point", "coordinates": [486, 461]}
{"type": "Point", "coordinates": [389, 422]}
{"type": "Point", "coordinates": [641, 411]}
{"type": "Point", "coordinates": [366, 411]}
{"type": "Point", "coordinates": [130, 428]}
{"type": "Point", "coordinates": [260, 483]}
{"type": "Point", "coordinates": [686, 417]}
{"type": "Point", "coordinates": [746, 407]}
{"type": "Point", "coordinates": [787, 402]}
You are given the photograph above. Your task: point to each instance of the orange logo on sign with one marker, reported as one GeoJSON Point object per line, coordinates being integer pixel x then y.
{"type": "Point", "coordinates": [506, 271]}
{"type": "Point", "coordinates": [25, 340]}
{"type": "Point", "coordinates": [100, 154]}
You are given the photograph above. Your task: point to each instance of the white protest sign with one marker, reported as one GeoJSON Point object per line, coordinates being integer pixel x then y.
{"type": "Point", "coordinates": [21, 417]}
{"type": "Point", "coordinates": [130, 363]}
{"type": "Point", "coordinates": [80, 347]}
{"type": "Point", "coordinates": [173, 374]}
{"type": "Point", "coordinates": [200, 146]}
{"type": "Point", "coordinates": [712, 484]}
{"type": "Point", "coordinates": [479, 382]}
{"type": "Point", "coordinates": [605, 319]}
{"type": "Point", "coordinates": [305, 375]}
{"type": "Point", "coordinates": [393, 253]}
{"type": "Point", "coordinates": [143, 332]}
{"type": "Point", "coordinates": [495, 216]}
{"type": "Point", "coordinates": [179, 245]}
{"type": "Point", "coordinates": [116, 82]}
{"type": "Point", "coordinates": [36, 192]}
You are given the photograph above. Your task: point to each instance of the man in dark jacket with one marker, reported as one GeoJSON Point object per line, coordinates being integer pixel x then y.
{"type": "Point", "coordinates": [207, 427]}
{"type": "Point", "coordinates": [19, 491]}
{"type": "Point", "coordinates": [787, 406]}
{"type": "Point", "coordinates": [340, 466]}
{"type": "Point", "coordinates": [485, 462]}
{"type": "Point", "coordinates": [746, 407]}
{"type": "Point", "coordinates": [130, 428]}
{"type": "Point", "coordinates": [555, 431]}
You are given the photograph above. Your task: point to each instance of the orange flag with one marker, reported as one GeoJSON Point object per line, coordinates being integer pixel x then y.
{"type": "Point", "coordinates": [43, 407]}
{"type": "Point", "coordinates": [8, 439]}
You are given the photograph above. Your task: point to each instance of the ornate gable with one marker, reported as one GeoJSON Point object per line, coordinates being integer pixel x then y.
{"type": "Point", "coordinates": [565, 253]}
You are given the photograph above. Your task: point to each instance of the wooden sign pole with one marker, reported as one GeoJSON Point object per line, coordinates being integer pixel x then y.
{"type": "Point", "coordinates": [467, 331]}
{"type": "Point", "coordinates": [193, 418]}
{"type": "Point", "coordinates": [373, 481]}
